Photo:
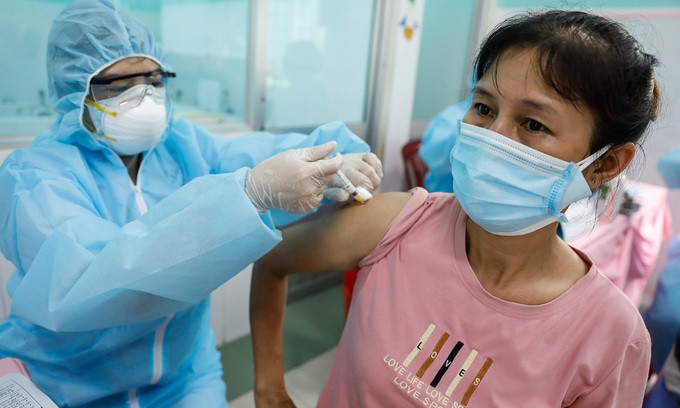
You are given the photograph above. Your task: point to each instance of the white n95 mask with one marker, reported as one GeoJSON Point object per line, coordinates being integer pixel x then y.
{"type": "Point", "coordinates": [132, 122]}
{"type": "Point", "coordinates": [508, 188]}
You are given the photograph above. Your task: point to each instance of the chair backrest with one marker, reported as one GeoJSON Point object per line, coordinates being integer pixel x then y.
{"type": "Point", "coordinates": [414, 167]}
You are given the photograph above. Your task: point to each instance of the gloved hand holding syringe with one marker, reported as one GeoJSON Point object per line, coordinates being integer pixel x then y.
{"type": "Point", "coordinates": [359, 177]}
{"type": "Point", "coordinates": [359, 194]}
{"type": "Point", "coordinates": [297, 180]}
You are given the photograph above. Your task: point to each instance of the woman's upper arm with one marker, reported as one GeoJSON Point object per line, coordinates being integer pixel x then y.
{"type": "Point", "coordinates": [337, 240]}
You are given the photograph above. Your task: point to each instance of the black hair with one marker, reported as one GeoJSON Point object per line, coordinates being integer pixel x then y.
{"type": "Point", "coordinates": [588, 60]}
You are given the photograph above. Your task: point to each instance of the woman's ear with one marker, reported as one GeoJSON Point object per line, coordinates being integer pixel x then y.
{"type": "Point", "coordinates": [610, 165]}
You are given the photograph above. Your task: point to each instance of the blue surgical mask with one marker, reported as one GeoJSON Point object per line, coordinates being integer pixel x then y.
{"type": "Point", "coordinates": [508, 188]}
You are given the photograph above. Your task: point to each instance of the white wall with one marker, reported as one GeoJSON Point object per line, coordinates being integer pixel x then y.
{"type": "Point", "coordinates": [398, 66]}
{"type": "Point", "coordinates": [229, 304]}
{"type": "Point", "coordinates": [658, 30]}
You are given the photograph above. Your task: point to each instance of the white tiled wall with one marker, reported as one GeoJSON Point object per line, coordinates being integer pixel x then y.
{"type": "Point", "coordinates": [229, 308]}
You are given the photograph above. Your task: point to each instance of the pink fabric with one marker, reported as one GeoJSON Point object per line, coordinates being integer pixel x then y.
{"type": "Point", "coordinates": [423, 332]}
{"type": "Point", "coordinates": [626, 250]}
{"type": "Point", "coordinates": [10, 365]}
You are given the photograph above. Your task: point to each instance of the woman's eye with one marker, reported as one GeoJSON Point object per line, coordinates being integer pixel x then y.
{"type": "Point", "coordinates": [535, 126]}
{"type": "Point", "coordinates": [483, 109]}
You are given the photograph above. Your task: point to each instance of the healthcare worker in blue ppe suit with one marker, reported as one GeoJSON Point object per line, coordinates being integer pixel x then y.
{"type": "Point", "coordinates": [439, 136]}
{"type": "Point", "coordinates": [121, 221]}
{"type": "Point", "coordinates": [663, 316]}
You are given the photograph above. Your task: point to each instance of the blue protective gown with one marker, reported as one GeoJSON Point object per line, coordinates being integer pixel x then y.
{"type": "Point", "coordinates": [110, 296]}
{"type": "Point", "coordinates": [663, 316]}
{"type": "Point", "coordinates": [436, 144]}
{"type": "Point", "coordinates": [669, 168]}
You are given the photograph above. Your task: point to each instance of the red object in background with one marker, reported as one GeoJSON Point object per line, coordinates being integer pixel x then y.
{"type": "Point", "coordinates": [348, 282]}
{"type": "Point", "coordinates": [414, 167]}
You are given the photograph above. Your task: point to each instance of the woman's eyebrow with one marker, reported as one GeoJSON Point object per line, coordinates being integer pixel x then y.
{"type": "Point", "coordinates": [545, 106]}
{"type": "Point", "coordinates": [479, 90]}
{"type": "Point", "coordinates": [538, 105]}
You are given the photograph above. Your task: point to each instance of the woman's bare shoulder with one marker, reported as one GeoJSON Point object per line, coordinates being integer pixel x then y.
{"type": "Point", "coordinates": [379, 211]}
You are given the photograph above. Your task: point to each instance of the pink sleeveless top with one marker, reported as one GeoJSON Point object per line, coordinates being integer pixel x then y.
{"type": "Point", "coordinates": [423, 332]}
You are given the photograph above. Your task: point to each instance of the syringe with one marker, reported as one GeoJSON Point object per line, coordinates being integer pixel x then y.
{"type": "Point", "coordinates": [359, 194]}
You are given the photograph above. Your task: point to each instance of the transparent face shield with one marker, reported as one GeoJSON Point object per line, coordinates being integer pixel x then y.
{"type": "Point", "coordinates": [127, 91]}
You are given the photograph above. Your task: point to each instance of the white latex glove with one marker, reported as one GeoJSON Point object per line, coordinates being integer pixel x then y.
{"type": "Point", "coordinates": [364, 170]}
{"type": "Point", "coordinates": [293, 180]}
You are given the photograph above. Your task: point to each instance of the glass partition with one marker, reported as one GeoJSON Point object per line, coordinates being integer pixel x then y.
{"type": "Point", "coordinates": [444, 65]}
{"type": "Point", "coordinates": [318, 55]}
{"type": "Point", "coordinates": [317, 60]}
{"type": "Point", "coordinates": [24, 104]}
{"type": "Point", "coordinates": [206, 43]}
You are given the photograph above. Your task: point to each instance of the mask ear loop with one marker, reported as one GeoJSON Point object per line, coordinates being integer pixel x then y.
{"type": "Point", "coordinates": [590, 159]}
{"type": "Point", "coordinates": [583, 164]}
{"type": "Point", "coordinates": [95, 105]}
{"type": "Point", "coordinates": [100, 107]}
